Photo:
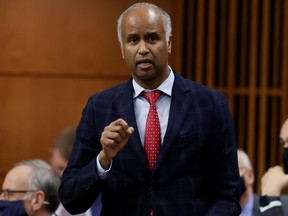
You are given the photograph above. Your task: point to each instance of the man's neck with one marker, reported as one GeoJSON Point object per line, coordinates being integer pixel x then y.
{"type": "Point", "coordinates": [245, 197]}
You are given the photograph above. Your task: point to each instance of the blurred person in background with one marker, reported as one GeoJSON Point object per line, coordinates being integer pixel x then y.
{"type": "Point", "coordinates": [40, 197]}
{"type": "Point", "coordinates": [16, 181]}
{"type": "Point", "coordinates": [249, 201]}
{"type": "Point", "coordinates": [275, 182]}
{"type": "Point", "coordinates": [61, 150]}
{"type": "Point", "coordinates": [253, 204]}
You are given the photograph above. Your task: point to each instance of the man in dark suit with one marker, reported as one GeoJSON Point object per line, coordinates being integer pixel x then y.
{"type": "Point", "coordinates": [274, 182]}
{"type": "Point", "coordinates": [196, 171]}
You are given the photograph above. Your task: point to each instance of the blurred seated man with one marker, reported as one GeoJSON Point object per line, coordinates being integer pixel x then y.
{"type": "Point", "coordinates": [275, 182]}
{"type": "Point", "coordinates": [61, 150]}
{"type": "Point", "coordinates": [16, 181]}
{"type": "Point", "coordinates": [40, 198]}
{"type": "Point", "coordinates": [249, 201]}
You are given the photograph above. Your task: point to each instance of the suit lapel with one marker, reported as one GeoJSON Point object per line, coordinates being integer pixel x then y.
{"type": "Point", "coordinates": [180, 104]}
{"type": "Point", "coordinates": [125, 109]}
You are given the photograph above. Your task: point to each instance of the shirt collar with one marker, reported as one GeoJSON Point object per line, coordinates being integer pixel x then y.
{"type": "Point", "coordinates": [248, 207]}
{"type": "Point", "coordinates": [165, 87]}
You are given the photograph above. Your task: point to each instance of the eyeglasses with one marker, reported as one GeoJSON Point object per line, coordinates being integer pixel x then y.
{"type": "Point", "coordinates": [283, 142]}
{"type": "Point", "coordinates": [243, 170]}
{"type": "Point", "coordinates": [9, 193]}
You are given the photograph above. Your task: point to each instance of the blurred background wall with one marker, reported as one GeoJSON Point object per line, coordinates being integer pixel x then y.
{"type": "Point", "coordinates": [54, 54]}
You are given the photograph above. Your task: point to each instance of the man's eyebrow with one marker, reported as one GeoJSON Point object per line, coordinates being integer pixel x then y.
{"type": "Point", "coordinates": [151, 33]}
{"type": "Point", "coordinates": [131, 36]}
{"type": "Point", "coordinates": [154, 33]}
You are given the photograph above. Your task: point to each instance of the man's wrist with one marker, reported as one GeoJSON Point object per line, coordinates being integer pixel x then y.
{"type": "Point", "coordinates": [104, 161]}
{"type": "Point", "coordinates": [265, 200]}
{"type": "Point", "coordinates": [101, 172]}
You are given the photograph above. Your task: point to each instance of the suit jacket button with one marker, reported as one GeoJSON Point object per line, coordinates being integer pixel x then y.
{"type": "Point", "coordinates": [150, 190]}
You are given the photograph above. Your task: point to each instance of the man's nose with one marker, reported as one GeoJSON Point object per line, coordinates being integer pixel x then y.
{"type": "Point", "coordinates": [143, 49]}
{"type": "Point", "coordinates": [2, 197]}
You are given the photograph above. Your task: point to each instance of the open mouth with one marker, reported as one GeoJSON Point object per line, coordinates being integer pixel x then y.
{"type": "Point", "coordinates": [144, 64]}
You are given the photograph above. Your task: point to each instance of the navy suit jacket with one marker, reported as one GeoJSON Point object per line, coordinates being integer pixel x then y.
{"type": "Point", "coordinates": [12, 208]}
{"type": "Point", "coordinates": [196, 171]}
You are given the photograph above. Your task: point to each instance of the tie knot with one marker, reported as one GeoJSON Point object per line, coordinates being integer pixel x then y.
{"type": "Point", "coordinates": [152, 97]}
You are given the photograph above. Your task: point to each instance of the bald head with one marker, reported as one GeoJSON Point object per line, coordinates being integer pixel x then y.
{"type": "Point", "coordinates": [17, 180]}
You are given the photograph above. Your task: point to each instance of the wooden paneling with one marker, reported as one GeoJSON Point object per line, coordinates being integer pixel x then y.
{"type": "Point", "coordinates": [240, 48]}
{"type": "Point", "coordinates": [59, 36]}
{"type": "Point", "coordinates": [67, 36]}
{"type": "Point", "coordinates": [34, 110]}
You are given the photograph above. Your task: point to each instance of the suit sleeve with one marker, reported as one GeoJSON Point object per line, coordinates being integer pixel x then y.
{"type": "Point", "coordinates": [80, 182]}
{"type": "Point", "coordinates": [271, 207]}
{"type": "Point", "coordinates": [222, 166]}
{"type": "Point", "coordinates": [273, 211]}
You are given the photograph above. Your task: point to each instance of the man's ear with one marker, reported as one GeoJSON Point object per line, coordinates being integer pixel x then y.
{"type": "Point", "coordinates": [38, 200]}
{"type": "Point", "coordinates": [169, 43]}
{"type": "Point", "coordinates": [122, 53]}
{"type": "Point", "coordinates": [251, 175]}
{"type": "Point", "coordinates": [50, 151]}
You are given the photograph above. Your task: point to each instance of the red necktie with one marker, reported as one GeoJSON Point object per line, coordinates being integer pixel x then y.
{"type": "Point", "coordinates": [152, 140]}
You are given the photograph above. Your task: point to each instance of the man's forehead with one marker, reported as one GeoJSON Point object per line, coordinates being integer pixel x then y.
{"type": "Point", "coordinates": [140, 15]}
{"type": "Point", "coordinates": [18, 174]}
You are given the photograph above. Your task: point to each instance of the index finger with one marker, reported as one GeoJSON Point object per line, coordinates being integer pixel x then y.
{"type": "Point", "coordinates": [120, 122]}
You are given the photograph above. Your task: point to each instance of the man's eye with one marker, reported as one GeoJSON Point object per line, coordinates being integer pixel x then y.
{"type": "Point", "coordinates": [132, 40]}
{"type": "Point", "coordinates": [11, 194]}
